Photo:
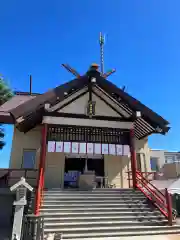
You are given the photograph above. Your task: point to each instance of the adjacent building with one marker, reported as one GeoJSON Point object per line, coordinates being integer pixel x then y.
{"type": "Point", "coordinates": [165, 162]}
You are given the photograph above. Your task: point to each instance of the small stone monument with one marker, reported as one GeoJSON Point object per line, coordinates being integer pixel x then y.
{"type": "Point", "coordinates": [21, 188]}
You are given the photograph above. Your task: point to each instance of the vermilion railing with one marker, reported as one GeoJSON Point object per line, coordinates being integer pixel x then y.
{"type": "Point", "coordinates": [161, 201]}
{"type": "Point", "coordinates": [39, 194]}
{"type": "Point", "coordinates": [40, 183]}
{"type": "Point", "coordinates": [149, 175]}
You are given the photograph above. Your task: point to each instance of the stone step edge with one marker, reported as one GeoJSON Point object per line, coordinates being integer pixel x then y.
{"type": "Point", "coordinates": [91, 197]}
{"type": "Point", "coordinates": [102, 213]}
{"type": "Point", "coordinates": [87, 204]}
{"type": "Point", "coordinates": [112, 228]}
{"type": "Point", "coordinates": [104, 217]}
{"type": "Point", "coordinates": [94, 209]}
{"type": "Point", "coordinates": [65, 224]}
{"type": "Point", "coordinates": [88, 236]}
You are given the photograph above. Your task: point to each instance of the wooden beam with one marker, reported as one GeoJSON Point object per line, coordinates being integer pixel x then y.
{"type": "Point", "coordinates": [83, 116]}
{"type": "Point", "coordinates": [87, 122]}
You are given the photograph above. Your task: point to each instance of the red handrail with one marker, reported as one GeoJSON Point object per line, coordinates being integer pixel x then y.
{"type": "Point", "coordinates": [161, 198]}
{"type": "Point", "coordinates": [155, 196]}
{"type": "Point", "coordinates": [138, 173]}
{"type": "Point", "coordinates": [40, 188]}
{"type": "Point", "coordinates": [39, 193]}
{"type": "Point", "coordinates": [151, 199]}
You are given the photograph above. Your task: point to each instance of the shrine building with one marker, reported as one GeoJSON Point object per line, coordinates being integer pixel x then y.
{"type": "Point", "coordinates": [85, 125]}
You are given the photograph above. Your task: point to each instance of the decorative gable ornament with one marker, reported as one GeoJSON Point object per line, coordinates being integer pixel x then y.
{"type": "Point", "coordinates": [91, 108]}
{"type": "Point", "coordinates": [21, 183]}
{"type": "Point", "coordinates": [21, 188]}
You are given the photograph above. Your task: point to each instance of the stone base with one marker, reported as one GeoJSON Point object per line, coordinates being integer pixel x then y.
{"type": "Point", "coordinates": [87, 180]}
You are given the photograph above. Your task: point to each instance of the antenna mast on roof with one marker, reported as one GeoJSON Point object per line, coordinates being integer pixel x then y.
{"type": "Point", "coordinates": [101, 43]}
{"type": "Point", "coordinates": [104, 75]}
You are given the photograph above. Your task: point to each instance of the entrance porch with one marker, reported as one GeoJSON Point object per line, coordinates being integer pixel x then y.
{"type": "Point", "coordinates": [64, 170]}
{"type": "Point", "coordinates": [73, 151]}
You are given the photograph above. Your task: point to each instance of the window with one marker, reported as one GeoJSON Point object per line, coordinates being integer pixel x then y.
{"type": "Point", "coordinates": [29, 156]}
{"type": "Point", "coordinates": [178, 157]}
{"type": "Point", "coordinates": [154, 164]}
{"type": "Point", "coordinates": [170, 158]}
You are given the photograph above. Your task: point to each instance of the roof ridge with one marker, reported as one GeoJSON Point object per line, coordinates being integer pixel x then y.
{"type": "Point", "coordinates": [22, 93]}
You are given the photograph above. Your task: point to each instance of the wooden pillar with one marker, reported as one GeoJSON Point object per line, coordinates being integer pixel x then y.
{"type": "Point", "coordinates": [133, 157]}
{"type": "Point", "coordinates": [41, 170]}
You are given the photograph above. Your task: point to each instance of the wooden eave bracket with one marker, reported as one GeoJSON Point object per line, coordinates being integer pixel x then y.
{"type": "Point", "coordinates": [20, 120]}
{"type": "Point", "coordinates": [47, 107]}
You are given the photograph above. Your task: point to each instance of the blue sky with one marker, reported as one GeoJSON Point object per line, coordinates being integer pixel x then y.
{"type": "Point", "coordinates": [142, 43]}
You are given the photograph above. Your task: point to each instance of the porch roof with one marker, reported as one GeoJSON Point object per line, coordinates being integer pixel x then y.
{"type": "Point", "coordinates": [31, 107]}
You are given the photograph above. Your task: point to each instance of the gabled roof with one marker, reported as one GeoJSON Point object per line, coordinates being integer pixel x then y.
{"type": "Point", "coordinates": [18, 99]}
{"type": "Point", "coordinates": [32, 110]}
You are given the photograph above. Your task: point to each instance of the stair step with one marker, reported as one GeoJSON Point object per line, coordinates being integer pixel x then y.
{"type": "Point", "coordinates": [93, 198]}
{"type": "Point", "coordinates": [101, 213]}
{"type": "Point", "coordinates": [92, 202]}
{"type": "Point", "coordinates": [73, 226]}
{"type": "Point", "coordinates": [116, 234]}
{"type": "Point", "coordinates": [77, 196]}
{"type": "Point", "coordinates": [88, 204]}
{"type": "Point", "coordinates": [115, 191]}
{"type": "Point", "coordinates": [83, 214]}
{"type": "Point", "coordinates": [90, 208]}
{"type": "Point", "coordinates": [93, 193]}
{"type": "Point", "coordinates": [110, 229]}
{"type": "Point", "coordinates": [103, 218]}
{"type": "Point", "coordinates": [97, 190]}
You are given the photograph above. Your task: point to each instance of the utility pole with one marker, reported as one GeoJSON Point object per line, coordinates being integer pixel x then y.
{"type": "Point", "coordinates": [30, 84]}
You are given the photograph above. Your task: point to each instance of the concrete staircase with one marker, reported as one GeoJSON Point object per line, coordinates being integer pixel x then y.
{"type": "Point", "coordinates": [101, 213]}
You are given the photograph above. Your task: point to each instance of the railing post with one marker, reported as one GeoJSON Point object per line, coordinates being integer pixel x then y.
{"type": "Point", "coordinates": [133, 157]}
{"type": "Point", "coordinates": [33, 227]}
{"type": "Point", "coordinates": [169, 206]}
{"type": "Point", "coordinates": [40, 182]}
{"type": "Point", "coordinates": [129, 180]}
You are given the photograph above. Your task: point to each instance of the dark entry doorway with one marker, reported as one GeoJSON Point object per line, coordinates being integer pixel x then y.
{"type": "Point", "coordinates": [75, 166]}
{"type": "Point", "coordinates": [96, 165]}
